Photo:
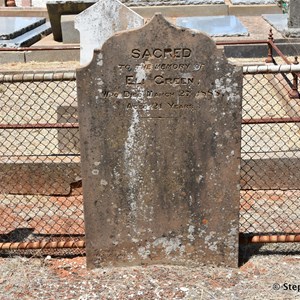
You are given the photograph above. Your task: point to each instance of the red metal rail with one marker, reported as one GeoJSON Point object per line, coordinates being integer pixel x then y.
{"type": "Point", "coordinates": [243, 238]}
{"type": "Point", "coordinates": [35, 126]}
{"type": "Point", "coordinates": [76, 125]}
{"type": "Point", "coordinates": [271, 120]}
{"type": "Point", "coordinates": [47, 48]}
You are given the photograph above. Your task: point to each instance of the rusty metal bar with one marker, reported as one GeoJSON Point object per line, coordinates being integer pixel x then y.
{"type": "Point", "coordinates": [294, 94]}
{"type": "Point", "coordinates": [282, 238]}
{"type": "Point", "coordinates": [41, 125]}
{"type": "Point", "coordinates": [241, 42]}
{"type": "Point", "coordinates": [243, 238]}
{"type": "Point", "coordinates": [271, 120]}
{"type": "Point", "coordinates": [42, 245]}
{"type": "Point", "coordinates": [271, 42]}
{"type": "Point", "coordinates": [48, 48]}
{"type": "Point", "coordinates": [76, 125]}
{"type": "Point", "coordinates": [270, 58]}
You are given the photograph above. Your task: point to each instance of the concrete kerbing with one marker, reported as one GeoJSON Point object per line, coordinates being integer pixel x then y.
{"type": "Point", "coordinates": [168, 11]}
{"type": "Point", "coordinates": [51, 56]}
{"type": "Point", "coordinates": [24, 12]}
{"type": "Point", "coordinates": [57, 55]}
{"type": "Point", "coordinates": [182, 10]}
{"type": "Point", "coordinates": [253, 10]}
{"type": "Point", "coordinates": [189, 10]}
{"type": "Point", "coordinates": [12, 57]}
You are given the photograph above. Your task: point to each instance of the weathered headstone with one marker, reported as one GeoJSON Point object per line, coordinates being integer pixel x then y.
{"type": "Point", "coordinates": [97, 23]}
{"type": "Point", "coordinates": [160, 121]}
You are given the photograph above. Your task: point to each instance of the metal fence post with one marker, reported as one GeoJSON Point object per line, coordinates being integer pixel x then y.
{"type": "Point", "coordinates": [270, 59]}
{"type": "Point", "coordinates": [294, 94]}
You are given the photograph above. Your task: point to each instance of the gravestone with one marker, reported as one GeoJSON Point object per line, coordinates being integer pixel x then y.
{"type": "Point", "coordinates": [97, 23]}
{"type": "Point", "coordinates": [160, 122]}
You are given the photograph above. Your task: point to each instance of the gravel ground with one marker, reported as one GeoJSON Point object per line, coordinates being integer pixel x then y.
{"type": "Point", "coordinates": [268, 272]}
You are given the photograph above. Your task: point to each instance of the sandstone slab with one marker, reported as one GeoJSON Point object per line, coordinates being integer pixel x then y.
{"type": "Point", "coordinates": [160, 131]}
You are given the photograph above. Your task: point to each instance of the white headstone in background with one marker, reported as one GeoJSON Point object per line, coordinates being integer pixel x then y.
{"type": "Point", "coordinates": [100, 21]}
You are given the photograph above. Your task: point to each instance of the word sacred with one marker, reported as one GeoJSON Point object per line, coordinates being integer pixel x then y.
{"type": "Point", "coordinates": [176, 53]}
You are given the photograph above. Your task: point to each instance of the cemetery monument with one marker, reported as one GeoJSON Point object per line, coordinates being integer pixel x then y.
{"type": "Point", "coordinates": [160, 132]}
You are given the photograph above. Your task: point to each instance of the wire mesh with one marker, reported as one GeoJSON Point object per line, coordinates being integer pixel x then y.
{"type": "Point", "coordinates": [270, 151]}
{"type": "Point", "coordinates": [40, 186]}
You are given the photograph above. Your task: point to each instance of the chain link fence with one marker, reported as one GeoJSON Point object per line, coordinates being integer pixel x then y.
{"type": "Point", "coordinates": [40, 187]}
{"type": "Point", "coordinates": [270, 177]}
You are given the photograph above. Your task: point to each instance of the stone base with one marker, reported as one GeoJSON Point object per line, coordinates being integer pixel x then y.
{"type": "Point", "coordinates": [42, 178]}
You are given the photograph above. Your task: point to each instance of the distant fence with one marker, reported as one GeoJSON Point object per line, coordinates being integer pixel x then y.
{"type": "Point", "coordinates": [41, 203]}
